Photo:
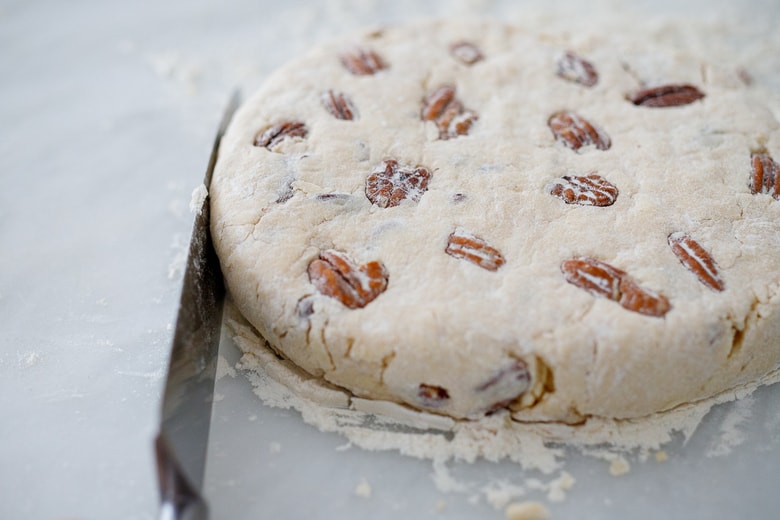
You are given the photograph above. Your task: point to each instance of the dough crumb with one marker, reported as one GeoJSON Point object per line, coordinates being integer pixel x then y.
{"type": "Point", "coordinates": [619, 466]}
{"type": "Point", "coordinates": [661, 456]}
{"type": "Point", "coordinates": [199, 195]}
{"type": "Point", "coordinates": [441, 506]}
{"type": "Point", "coordinates": [559, 487]}
{"type": "Point", "coordinates": [363, 489]}
{"type": "Point", "coordinates": [501, 493]}
{"type": "Point", "coordinates": [274, 447]}
{"type": "Point", "coordinates": [527, 511]}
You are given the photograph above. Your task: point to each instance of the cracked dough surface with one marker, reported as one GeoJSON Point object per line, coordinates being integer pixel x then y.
{"type": "Point", "coordinates": [447, 323]}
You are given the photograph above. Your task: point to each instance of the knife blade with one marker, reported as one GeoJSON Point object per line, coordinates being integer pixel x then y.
{"type": "Point", "coordinates": [180, 445]}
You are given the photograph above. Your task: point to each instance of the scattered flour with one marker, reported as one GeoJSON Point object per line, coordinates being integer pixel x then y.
{"type": "Point", "coordinates": [500, 493]}
{"type": "Point", "coordinates": [29, 359]}
{"type": "Point", "coordinates": [363, 489]}
{"type": "Point", "coordinates": [533, 446]}
{"type": "Point", "coordinates": [731, 434]}
{"type": "Point", "coordinates": [180, 71]}
{"type": "Point", "coordinates": [444, 480]}
{"type": "Point", "coordinates": [180, 249]}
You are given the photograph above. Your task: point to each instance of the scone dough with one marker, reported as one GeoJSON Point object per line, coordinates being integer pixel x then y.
{"type": "Point", "coordinates": [451, 337]}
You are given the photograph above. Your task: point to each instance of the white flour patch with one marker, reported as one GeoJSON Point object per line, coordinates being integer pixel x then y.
{"type": "Point", "coordinates": [29, 359]}
{"type": "Point", "coordinates": [500, 493]}
{"type": "Point", "coordinates": [153, 376]}
{"type": "Point", "coordinates": [444, 480]}
{"type": "Point", "coordinates": [731, 433]}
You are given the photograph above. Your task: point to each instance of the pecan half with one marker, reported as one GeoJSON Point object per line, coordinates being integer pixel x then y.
{"type": "Point", "coordinates": [574, 68]}
{"type": "Point", "coordinates": [640, 299]}
{"type": "Point", "coordinates": [507, 383]}
{"type": "Point", "coordinates": [339, 105]}
{"type": "Point", "coordinates": [666, 96]}
{"type": "Point", "coordinates": [362, 62]}
{"type": "Point", "coordinates": [574, 131]}
{"type": "Point", "coordinates": [515, 370]}
{"type": "Point", "coordinates": [432, 396]}
{"type": "Point", "coordinates": [602, 279]}
{"type": "Point", "coordinates": [590, 190]}
{"type": "Point", "coordinates": [275, 134]}
{"type": "Point", "coordinates": [443, 108]}
{"type": "Point", "coordinates": [696, 259]}
{"type": "Point", "coordinates": [764, 175]}
{"type": "Point", "coordinates": [598, 278]}
{"type": "Point", "coordinates": [462, 244]}
{"type": "Point", "coordinates": [466, 52]}
{"type": "Point", "coordinates": [390, 183]}
{"type": "Point", "coordinates": [336, 275]}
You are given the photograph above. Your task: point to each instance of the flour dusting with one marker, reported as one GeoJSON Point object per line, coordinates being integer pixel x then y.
{"type": "Point", "coordinates": [731, 432]}
{"type": "Point", "coordinates": [533, 446]}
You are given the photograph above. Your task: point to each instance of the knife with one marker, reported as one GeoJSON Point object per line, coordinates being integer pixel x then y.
{"type": "Point", "coordinates": [180, 445]}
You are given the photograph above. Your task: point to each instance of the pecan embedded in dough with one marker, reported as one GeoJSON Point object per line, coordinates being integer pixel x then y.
{"type": "Point", "coordinates": [443, 108]}
{"type": "Point", "coordinates": [462, 244]}
{"type": "Point", "coordinates": [391, 183]}
{"type": "Point", "coordinates": [590, 190]}
{"type": "Point", "coordinates": [362, 62]}
{"type": "Point", "coordinates": [696, 259]}
{"type": "Point", "coordinates": [336, 275]}
{"type": "Point", "coordinates": [466, 52]}
{"type": "Point", "coordinates": [666, 96]}
{"type": "Point", "coordinates": [601, 279]}
{"type": "Point", "coordinates": [275, 134]}
{"type": "Point", "coordinates": [577, 69]}
{"type": "Point", "coordinates": [764, 175]}
{"type": "Point", "coordinates": [574, 131]}
{"type": "Point", "coordinates": [339, 105]}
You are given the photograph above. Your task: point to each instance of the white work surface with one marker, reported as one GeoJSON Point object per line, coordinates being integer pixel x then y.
{"type": "Point", "coordinates": [107, 113]}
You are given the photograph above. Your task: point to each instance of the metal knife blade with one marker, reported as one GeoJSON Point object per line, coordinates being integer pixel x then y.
{"type": "Point", "coordinates": [180, 446]}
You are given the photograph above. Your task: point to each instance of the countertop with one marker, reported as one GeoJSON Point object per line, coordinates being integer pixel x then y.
{"type": "Point", "coordinates": [107, 113]}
